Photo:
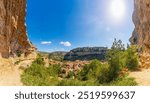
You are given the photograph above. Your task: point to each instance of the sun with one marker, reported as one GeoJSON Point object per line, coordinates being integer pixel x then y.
{"type": "Point", "coordinates": [117, 9]}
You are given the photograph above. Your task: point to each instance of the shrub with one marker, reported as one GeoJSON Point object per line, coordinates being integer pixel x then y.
{"type": "Point", "coordinates": [37, 70]}
{"type": "Point", "coordinates": [70, 82]}
{"type": "Point", "coordinates": [123, 81]}
{"type": "Point", "coordinates": [114, 66]}
{"type": "Point", "coordinates": [102, 75]}
{"type": "Point", "coordinates": [54, 70]}
{"type": "Point", "coordinates": [89, 71]}
{"type": "Point", "coordinates": [132, 58]}
{"type": "Point", "coordinates": [39, 60]}
{"type": "Point", "coordinates": [18, 53]}
{"type": "Point", "coordinates": [82, 75]}
{"type": "Point", "coordinates": [116, 58]}
{"type": "Point", "coordinates": [35, 75]}
{"type": "Point", "coordinates": [70, 74]}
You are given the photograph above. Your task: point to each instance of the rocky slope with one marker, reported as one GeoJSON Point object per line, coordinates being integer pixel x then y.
{"type": "Point", "coordinates": [141, 19]}
{"type": "Point", "coordinates": [13, 35]}
{"type": "Point", "coordinates": [86, 53]}
{"type": "Point", "coordinates": [58, 55]}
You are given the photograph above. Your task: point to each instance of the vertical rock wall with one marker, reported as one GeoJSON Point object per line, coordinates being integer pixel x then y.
{"type": "Point", "coordinates": [141, 19]}
{"type": "Point", "coordinates": [13, 35]}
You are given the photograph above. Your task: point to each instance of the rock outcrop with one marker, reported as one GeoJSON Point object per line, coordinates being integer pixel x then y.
{"type": "Point", "coordinates": [144, 61]}
{"type": "Point", "coordinates": [141, 19]}
{"type": "Point", "coordinates": [13, 34]}
{"type": "Point", "coordinates": [86, 53]}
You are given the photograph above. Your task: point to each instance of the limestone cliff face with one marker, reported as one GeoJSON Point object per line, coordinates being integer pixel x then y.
{"type": "Point", "coordinates": [13, 35]}
{"type": "Point", "coordinates": [86, 53]}
{"type": "Point", "coordinates": [141, 19]}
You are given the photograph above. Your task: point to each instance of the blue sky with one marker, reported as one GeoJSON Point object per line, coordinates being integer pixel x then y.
{"type": "Point", "coordinates": [61, 25]}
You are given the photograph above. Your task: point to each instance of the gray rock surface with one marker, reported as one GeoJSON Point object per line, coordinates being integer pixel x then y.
{"type": "Point", "coordinates": [86, 53]}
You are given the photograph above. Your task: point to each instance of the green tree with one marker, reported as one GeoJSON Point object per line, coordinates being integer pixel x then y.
{"type": "Point", "coordinates": [118, 45]}
{"type": "Point", "coordinates": [132, 58]}
{"type": "Point", "coordinates": [114, 58]}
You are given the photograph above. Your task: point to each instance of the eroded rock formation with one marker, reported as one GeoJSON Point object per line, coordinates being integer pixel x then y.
{"type": "Point", "coordinates": [13, 35]}
{"type": "Point", "coordinates": [86, 53]}
{"type": "Point", "coordinates": [141, 19]}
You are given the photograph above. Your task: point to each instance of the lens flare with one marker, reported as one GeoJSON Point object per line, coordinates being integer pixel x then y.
{"type": "Point", "coordinates": [117, 9]}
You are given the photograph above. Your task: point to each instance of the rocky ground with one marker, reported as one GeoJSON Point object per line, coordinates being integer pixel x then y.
{"type": "Point", "coordinates": [69, 66]}
{"type": "Point", "coordinates": [142, 77]}
{"type": "Point", "coordinates": [10, 72]}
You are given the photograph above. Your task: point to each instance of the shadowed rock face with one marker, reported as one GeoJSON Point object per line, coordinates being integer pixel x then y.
{"type": "Point", "coordinates": [86, 53]}
{"type": "Point", "coordinates": [141, 19]}
{"type": "Point", "coordinates": [13, 35]}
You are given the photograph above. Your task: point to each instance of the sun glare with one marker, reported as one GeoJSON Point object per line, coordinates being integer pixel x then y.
{"type": "Point", "coordinates": [117, 9]}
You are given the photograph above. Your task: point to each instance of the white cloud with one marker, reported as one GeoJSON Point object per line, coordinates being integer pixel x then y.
{"type": "Point", "coordinates": [67, 43]}
{"type": "Point", "coordinates": [46, 42]}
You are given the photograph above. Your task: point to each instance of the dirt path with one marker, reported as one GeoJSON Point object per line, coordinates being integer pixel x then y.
{"type": "Point", "coordinates": [142, 77]}
{"type": "Point", "coordinates": [10, 73]}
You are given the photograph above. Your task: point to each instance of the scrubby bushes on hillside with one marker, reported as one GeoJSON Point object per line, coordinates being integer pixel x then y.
{"type": "Point", "coordinates": [35, 75]}
{"type": "Point", "coordinates": [132, 58]}
{"type": "Point", "coordinates": [39, 60]}
{"type": "Point", "coordinates": [95, 73]}
{"type": "Point", "coordinates": [99, 72]}
{"type": "Point", "coordinates": [54, 70]}
{"type": "Point", "coordinates": [39, 75]}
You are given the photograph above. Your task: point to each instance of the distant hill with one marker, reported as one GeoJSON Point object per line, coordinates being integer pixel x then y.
{"type": "Point", "coordinates": [58, 55]}
{"type": "Point", "coordinates": [44, 54]}
{"type": "Point", "coordinates": [86, 53]}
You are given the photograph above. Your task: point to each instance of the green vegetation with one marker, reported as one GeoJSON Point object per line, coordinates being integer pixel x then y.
{"type": "Point", "coordinates": [95, 73]}
{"type": "Point", "coordinates": [71, 74]}
{"type": "Point", "coordinates": [39, 60]}
{"type": "Point", "coordinates": [132, 58]}
{"type": "Point", "coordinates": [54, 70]}
{"type": "Point", "coordinates": [17, 62]}
{"type": "Point", "coordinates": [18, 53]}
{"type": "Point", "coordinates": [58, 56]}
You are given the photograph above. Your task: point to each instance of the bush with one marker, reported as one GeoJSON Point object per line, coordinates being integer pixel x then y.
{"type": "Point", "coordinates": [82, 75]}
{"type": "Point", "coordinates": [54, 70]}
{"type": "Point", "coordinates": [18, 53]}
{"type": "Point", "coordinates": [132, 58]}
{"type": "Point", "coordinates": [89, 71]}
{"type": "Point", "coordinates": [37, 70]}
{"type": "Point", "coordinates": [100, 73]}
{"type": "Point", "coordinates": [123, 81]}
{"type": "Point", "coordinates": [39, 60]}
{"type": "Point", "coordinates": [71, 74]}
{"type": "Point", "coordinates": [116, 58]}
{"type": "Point", "coordinates": [38, 75]}
{"type": "Point", "coordinates": [114, 65]}
{"type": "Point", "coordinates": [70, 82]}
{"type": "Point", "coordinates": [35, 75]}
